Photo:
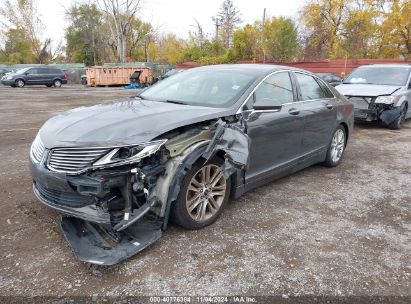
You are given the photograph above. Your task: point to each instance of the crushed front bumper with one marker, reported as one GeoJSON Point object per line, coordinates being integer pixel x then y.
{"type": "Point", "coordinates": [378, 112]}
{"type": "Point", "coordinates": [365, 114]}
{"type": "Point", "coordinates": [98, 245]}
{"type": "Point", "coordinates": [96, 228]}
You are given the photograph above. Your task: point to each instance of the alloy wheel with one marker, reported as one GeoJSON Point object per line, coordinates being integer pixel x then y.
{"type": "Point", "coordinates": [57, 83]}
{"type": "Point", "coordinates": [337, 145]}
{"type": "Point", "coordinates": [20, 83]}
{"type": "Point", "coordinates": [205, 193]}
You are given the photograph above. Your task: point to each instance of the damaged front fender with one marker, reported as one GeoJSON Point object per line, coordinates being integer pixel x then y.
{"type": "Point", "coordinates": [130, 205]}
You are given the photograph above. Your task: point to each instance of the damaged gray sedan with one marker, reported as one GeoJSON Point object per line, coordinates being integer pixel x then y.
{"type": "Point", "coordinates": [118, 172]}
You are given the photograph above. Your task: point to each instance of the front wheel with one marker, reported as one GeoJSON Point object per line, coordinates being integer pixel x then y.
{"type": "Point", "coordinates": [336, 148]}
{"type": "Point", "coordinates": [20, 83]}
{"type": "Point", "coordinates": [397, 124]}
{"type": "Point", "coordinates": [203, 195]}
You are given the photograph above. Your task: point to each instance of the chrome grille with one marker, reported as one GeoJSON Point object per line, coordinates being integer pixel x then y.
{"type": "Point", "coordinates": [37, 149]}
{"type": "Point", "coordinates": [73, 160]}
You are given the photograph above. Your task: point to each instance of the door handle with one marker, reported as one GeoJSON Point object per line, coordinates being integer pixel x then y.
{"type": "Point", "coordinates": [294, 111]}
{"type": "Point", "coordinates": [329, 106]}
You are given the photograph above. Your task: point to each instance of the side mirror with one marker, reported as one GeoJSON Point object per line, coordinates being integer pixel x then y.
{"type": "Point", "coordinates": [266, 104]}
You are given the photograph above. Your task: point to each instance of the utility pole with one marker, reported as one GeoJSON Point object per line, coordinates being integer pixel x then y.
{"type": "Point", "coordinates": [262, 34]}
{"type": "Point", "coordinates": [217, 26]}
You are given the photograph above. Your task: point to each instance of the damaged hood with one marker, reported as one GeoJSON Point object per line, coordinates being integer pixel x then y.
{"type": "Point", "coordinates": [129, 122]}
{"type": "Point", "coordinates": [368, 90]}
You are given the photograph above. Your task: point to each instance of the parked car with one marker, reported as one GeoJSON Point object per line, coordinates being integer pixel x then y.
{"type": "Point", "coordinates": [119, 171]}
{"type": "Point", "coordinates": [380, 92]}
{"type": "Point", "coordinates": [36, 76]}
{"type": "Point", "coordinates": [332, 79]}
{"type": "Point", "coordinates": [4, 71]}
{"type": "Point", "coordinates": [170, 73]}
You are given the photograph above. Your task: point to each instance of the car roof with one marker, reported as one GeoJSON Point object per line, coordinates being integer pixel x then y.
{"type": "Point", "coordinates": [256, 69]}
{"type": "Point", "coordinates": [388, 65]}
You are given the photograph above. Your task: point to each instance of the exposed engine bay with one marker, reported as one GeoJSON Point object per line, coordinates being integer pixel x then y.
{"type": "Point", "coordinates": [116, 211]}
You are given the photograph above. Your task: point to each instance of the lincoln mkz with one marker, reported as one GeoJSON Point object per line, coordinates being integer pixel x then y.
{"type": "Point", "coordinates": [118, 172]}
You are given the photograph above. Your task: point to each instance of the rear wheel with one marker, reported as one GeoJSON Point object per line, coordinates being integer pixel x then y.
{"type": "Point", "coordinates": [397, 124]}
{"type": "Point", "coordinates": [203, 195]}
{"type": "Point", "coordinates": [20, 83]}
{"type": "Point", "coordinates": [336, 147]}
{"type": "Point", "coordinates": [57, 83]}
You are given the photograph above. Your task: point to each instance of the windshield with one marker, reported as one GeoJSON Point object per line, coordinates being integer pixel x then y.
{"type": "Point", "coordinates": [212, 88]}
{"type": "Point", "coordinates": [22, 71]}
{"type": "Point", "coordinates": [379, 75]}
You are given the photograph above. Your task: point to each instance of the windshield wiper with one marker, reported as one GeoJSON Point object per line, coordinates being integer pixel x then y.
{"type": "Point", "coordinates": [138, 96]}
{"type": "Point", "coordinates": [175, 101]}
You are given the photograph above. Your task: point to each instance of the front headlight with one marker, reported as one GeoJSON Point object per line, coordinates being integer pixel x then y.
{"type": "Point", "coordinates": [9, 77]}
{"type": "Point", "coordinates": [386, 99]}
{"type": "Point", "coordinates": [129, 154]}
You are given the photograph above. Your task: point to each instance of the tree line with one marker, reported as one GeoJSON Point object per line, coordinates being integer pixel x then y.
{"type": "Point", "coordinates": [112, 31]}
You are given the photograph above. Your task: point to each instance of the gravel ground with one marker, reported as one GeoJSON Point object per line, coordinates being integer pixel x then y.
{"type": "Point", "coordinates": [339, 231]}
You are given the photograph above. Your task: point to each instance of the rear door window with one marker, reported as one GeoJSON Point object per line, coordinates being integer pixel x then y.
{"type": "Point", "coordinates": [43, 71]}
{"type": "Point", "coordinates": [55, 71]}
{"type": "Point", "coordinates": [309, 87]}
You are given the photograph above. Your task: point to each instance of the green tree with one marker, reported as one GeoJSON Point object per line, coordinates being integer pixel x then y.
{"type": "Point", "coordinates": [247, 43]}
{"type": "Point", "coordinates": [18, 48]}
{"type": "Point", "coordinates": [84, 40]}
{"type": "Point", "coordinates": [171, 49]}
{"type": "Point", "coordinates": [21, 16]}
{"type": "Point", "coordinates": [140, 36]}
{"type": "Point", "coordinates": [280, 39]}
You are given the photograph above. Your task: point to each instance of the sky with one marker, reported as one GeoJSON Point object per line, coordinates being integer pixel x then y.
{"type": "Point", "coordinates": [176, 16]}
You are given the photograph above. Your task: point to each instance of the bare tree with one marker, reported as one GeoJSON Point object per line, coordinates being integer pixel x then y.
{"type": "Point", "coordinates": [229, 18]}
{"type": "Point", "coordinates": [120, 16]}
{"type": "Point", "coordinates": [198, 35]}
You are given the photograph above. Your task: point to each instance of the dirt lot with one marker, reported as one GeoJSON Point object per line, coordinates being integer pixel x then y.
{"type": "Point", "coordinates": [339, 231]}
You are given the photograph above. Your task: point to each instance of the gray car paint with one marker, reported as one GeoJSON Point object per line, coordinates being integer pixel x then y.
{"type": "Point", "coordinates": [135, 121]}
{"type": "Point", "coordinates": [278, 143]}
{"type": "Point", "coordinates": [128, 122]}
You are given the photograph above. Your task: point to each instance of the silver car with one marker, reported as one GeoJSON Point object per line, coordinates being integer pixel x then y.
{"type": "Point", "coordinates": [380, 92]}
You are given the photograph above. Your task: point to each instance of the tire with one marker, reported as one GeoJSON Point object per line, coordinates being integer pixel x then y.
{"type": "Point", "coordinates": [57, 83]}
{"type": "Point", "coordinates": [205, 207]}
{"type": "Point", "coordinates": [397, 124]}
{"type": "Point", "coordinates": [49, 85]}
{"type": "Point", "coordinates": [336, 148]}
{"type": "Point", "coordinates": [20, 83]}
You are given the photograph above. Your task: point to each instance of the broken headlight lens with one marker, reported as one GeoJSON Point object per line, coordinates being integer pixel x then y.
{"type": "Point", "coordinates": [129, 154]}
{"type": "Point", "coordinates": [386, 99]}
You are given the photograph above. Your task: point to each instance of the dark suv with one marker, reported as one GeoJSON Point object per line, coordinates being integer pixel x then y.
{"type": "Point", "coordinates": [31, 76]}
